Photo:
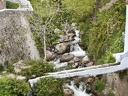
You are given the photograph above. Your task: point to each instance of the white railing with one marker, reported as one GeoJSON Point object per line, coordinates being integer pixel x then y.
{"type": "Point", "coordinates": [24, 5]}
{"type": "Point", "coordinates": [96, 70]}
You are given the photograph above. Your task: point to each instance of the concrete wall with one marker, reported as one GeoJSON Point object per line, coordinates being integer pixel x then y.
{"type": "Point", "coordinates": [16, 41]}
{"type": "Point", "coordinates": [2, 4]}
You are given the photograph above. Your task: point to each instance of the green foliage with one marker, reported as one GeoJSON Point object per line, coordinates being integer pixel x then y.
{"type": "Point", "coordinates": [8, 67]}
{"type": "Point", "coordinates": [110, 94]}
{"type": "Point", "coordinates": [38, 68]}
{"type": "Point", "coordinates": [54, 18]}
{"type": "Point", "coordinates": [99, 85]}
{"type": "Point", "coordinates": [13, 87]}
{"type": "Point", "coordinates": [11, 5]}
{"type": "Point", "coordinates": [48, 87]}
{"type": "Point", "coordinates": [78, 8]}
{"type": "Point", "coordinates": [103, 36]}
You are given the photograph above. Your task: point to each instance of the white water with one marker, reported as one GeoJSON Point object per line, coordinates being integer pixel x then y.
{"type": "Point", "coordinates": [75, 49]}
{"type": "Point", "coordinates": [78, 91]}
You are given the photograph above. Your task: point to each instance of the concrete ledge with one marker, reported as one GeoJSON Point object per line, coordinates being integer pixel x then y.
{"type": "Point", "coordinates": [24, 5]}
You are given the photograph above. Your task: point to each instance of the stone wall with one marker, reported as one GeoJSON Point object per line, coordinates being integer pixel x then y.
{"type": "Point", "coordinates": [118, 85]}
{"type": "Point", "coordinates": [2, 4]}
{"type": "Point", "coordinates": [13, 38]}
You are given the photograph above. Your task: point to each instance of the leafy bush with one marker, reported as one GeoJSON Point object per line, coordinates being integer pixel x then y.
{"type": "Point", "coordinates": [103, 36]}
{"type": "Point", "coordinates": [9, 67]}
{"type": "Point", "coordinates": [38, 68]}
{"type": "Point", "coordinates": [11, 5]}
{"type": "Point", "coordinates": [110, 94]}
{"type": "Point", "coordinates": [48, 87]}
{"type": "Point", "coordinates": [13, 87]}
{"type": "Point", "coordinates": [99, 85]}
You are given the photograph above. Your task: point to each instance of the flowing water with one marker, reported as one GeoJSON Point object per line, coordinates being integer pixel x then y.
{"type": "Point", "coordinates": [78, 91]}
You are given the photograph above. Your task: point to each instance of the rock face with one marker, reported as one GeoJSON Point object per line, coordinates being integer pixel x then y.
{"type": "Point", "coordinates": [19, 66]}
{"type": "Point", "coordinates": [116, 84]}
{"type": "Point", "coordinates": [15, 40]}
{"type": "Point", "coordinates": [2, 4]}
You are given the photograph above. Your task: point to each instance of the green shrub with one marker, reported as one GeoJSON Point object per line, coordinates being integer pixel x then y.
{"type": "Point", "coordinates": [8, 67]}
{"type": "Point", "coordinates": [11, 5]}
{"type": "Point", "coordinates": [38, 68]}
{"type": "Point", "coordinates": [48, 87]}
{"type": "Point", "coordinates": [99, 85]}
{"type": "Point", "coordinates": [110, 94]}
{"type": "Point", "coordinates": [13, 87]}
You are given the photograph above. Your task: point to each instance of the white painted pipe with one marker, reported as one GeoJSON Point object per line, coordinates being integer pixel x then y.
{"type": "Point", "coordinates": [126, 31]}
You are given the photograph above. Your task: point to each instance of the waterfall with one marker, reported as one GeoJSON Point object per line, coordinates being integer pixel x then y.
{"type": "Point", "coordinates": [78, 91]}
{"type": "Point", "coordinates": [75, 49]}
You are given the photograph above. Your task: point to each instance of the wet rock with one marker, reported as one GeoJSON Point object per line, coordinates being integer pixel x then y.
{"type": "Point", "coordinates": [90, 79]}
{"type": "Point", "coordinates": [67, 49]}
{"type": "Point", "coordinates": [71, 62]}
{"type": "Point", "coordinates": [50, 55]}
{"type": "Point", "coordinates": [88, 88]}
{"type": "Point", "coordinates": [68, 92]}
{"type": "Point", "coordinates": [63, 38]}
{"type": "Point", "coordinates": [66, 57]}
{"type": "Point", "coordinates": [85, 60]}
{"type": "Point", "coordinates": [94, 93]}
{"type": "Point", "coordinates": [76, 59]}
{"type": "Point", "coordinates": [71, 36]}
{"type": "Point", "coordinates": [61, 48]}
{"type": "Point", "coordinates": [89, 64]}
{"type": "Point", "coordinates": [75, 65]}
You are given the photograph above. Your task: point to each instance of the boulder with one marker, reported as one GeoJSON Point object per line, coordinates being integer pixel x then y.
{"type": "Point", "coordinates": [89, 88]}
{"type": "Point", "coordinates": [75, 65]}
{"type": "Point", "coordinates": [66, 57]}
{"type": "Point", "coordinates": [90, 79]}
{"type": "Point", "coordinates": [63, 38]}
{"type": "Point", "coordinates": [89, 64]}
{"type": "Point", "coordinates": [61, 48]}
{"type": "Point", "coordinates": [71, 62]}
{"type": "Point", "coordinates": [71, 36]}
{"type": "Point", "coordinates": [76, 59]}
{"type": "Point", "coordinates": [68, 92]}
{"type": "Point", "coordinates": [85, 60]}
{"type": "Point", "coordinates": [50, 55]}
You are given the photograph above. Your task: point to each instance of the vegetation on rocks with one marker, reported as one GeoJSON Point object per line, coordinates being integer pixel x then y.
{"type": "Point", "coordinates": [99, 85]}
{"type": "Point", "coordinates": [102, 35]}
{"type": "Point", "coordinates": [13, 87]}
{"type": "Point", "coordinates": [48, 87]}
{"type": "Point", "coordinates": [37, 68]}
